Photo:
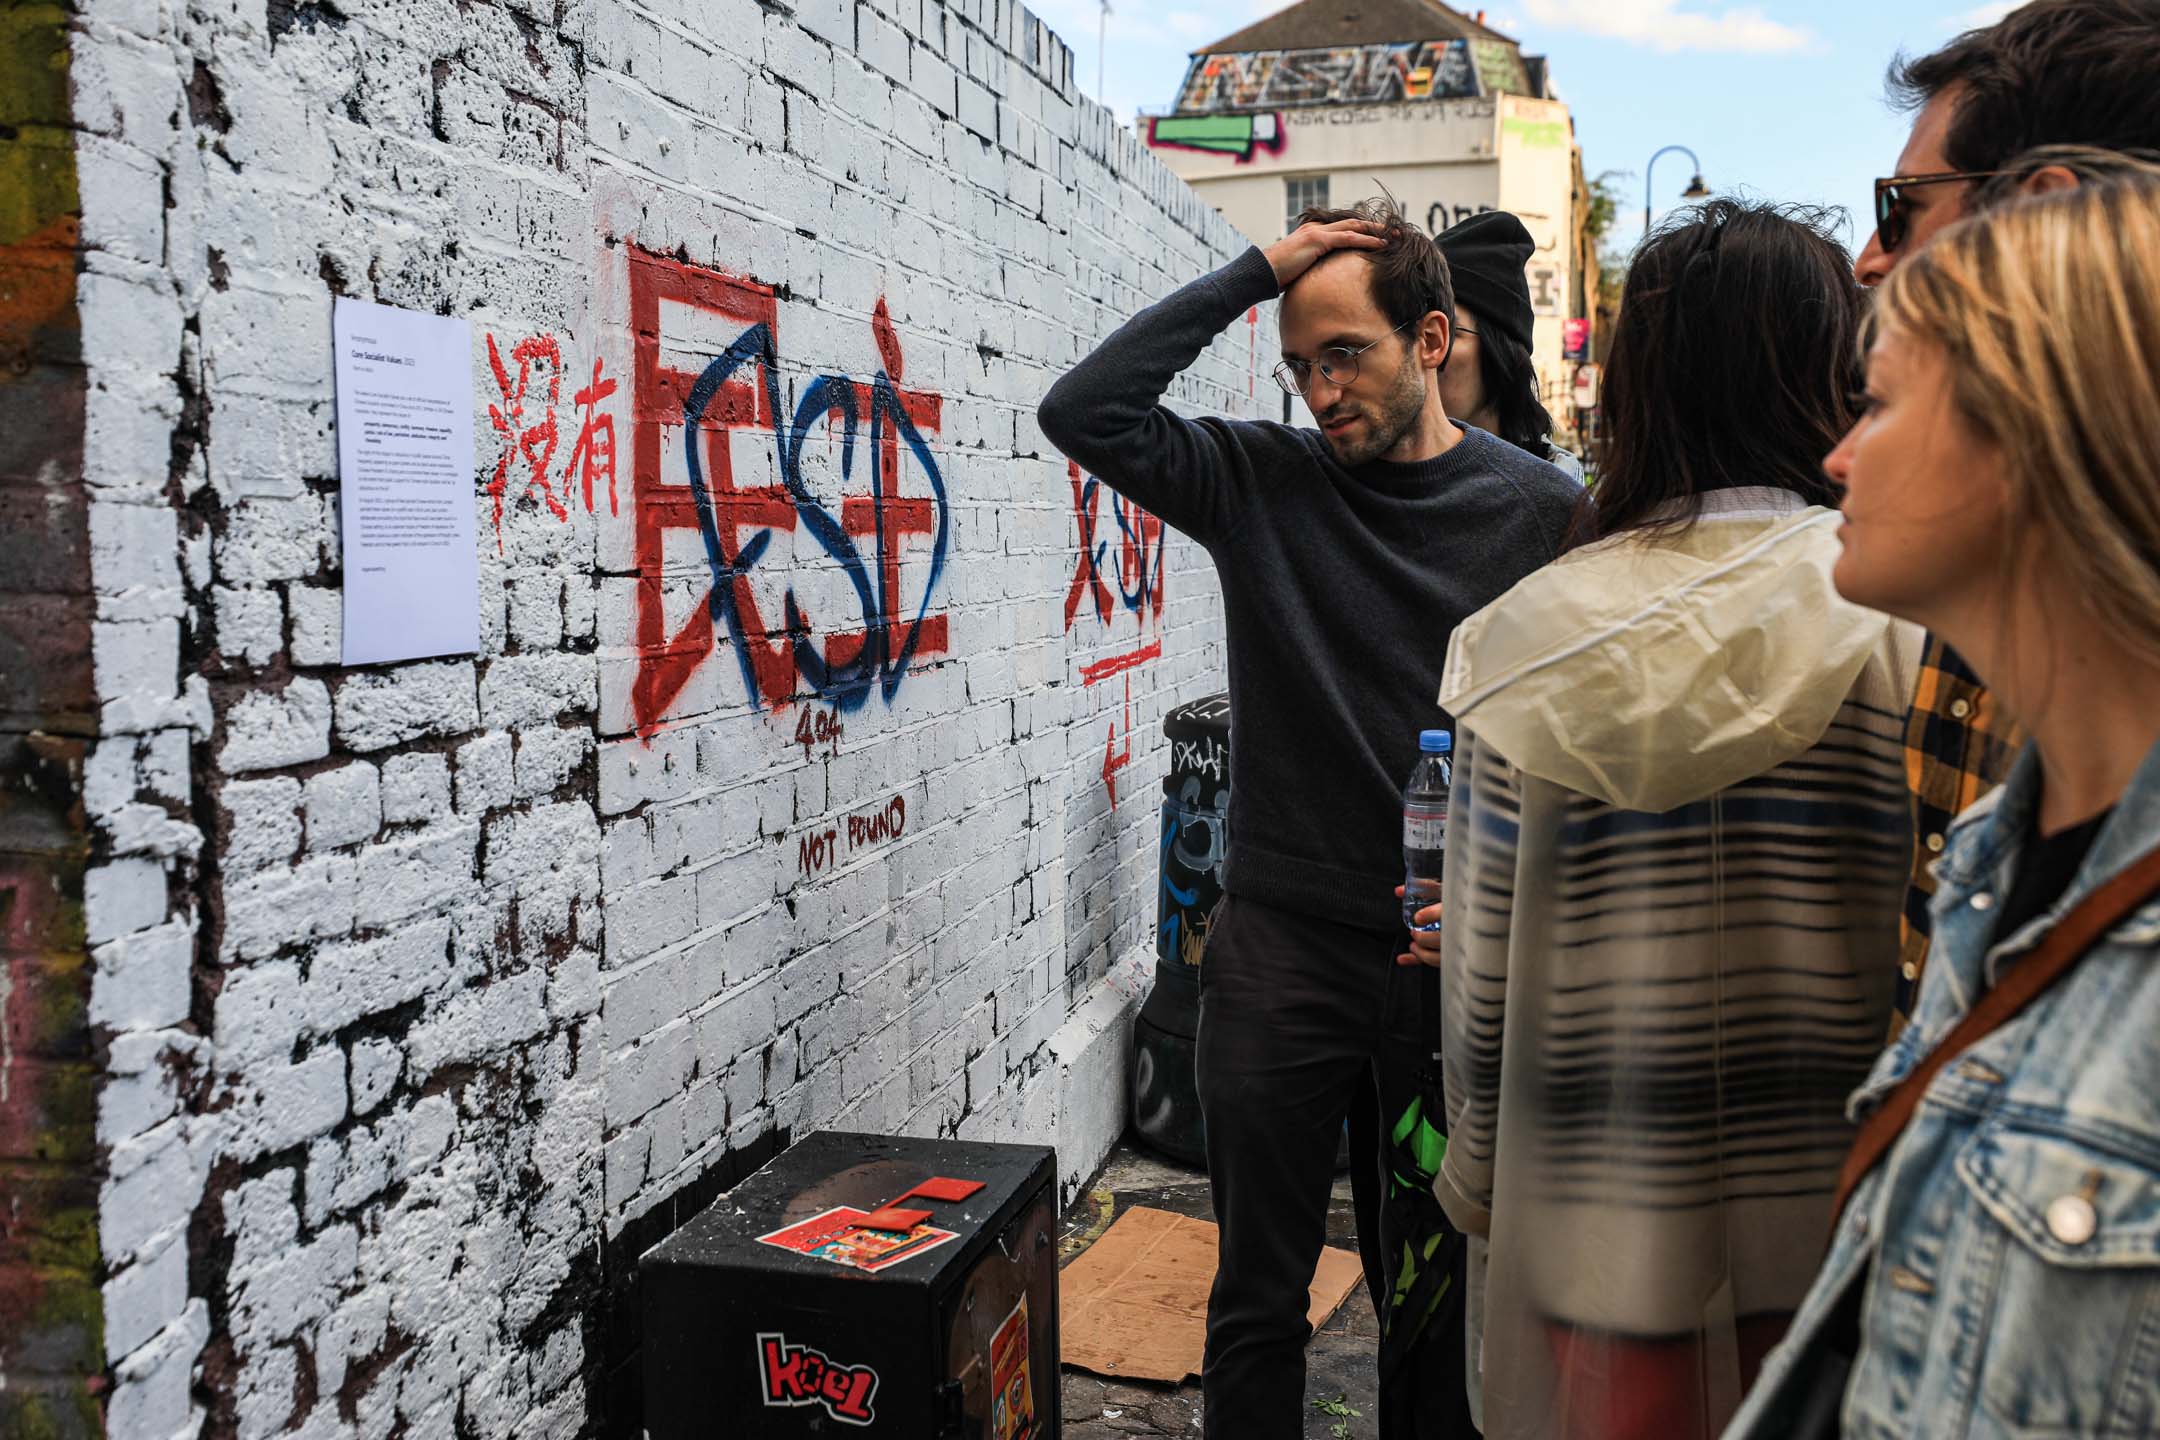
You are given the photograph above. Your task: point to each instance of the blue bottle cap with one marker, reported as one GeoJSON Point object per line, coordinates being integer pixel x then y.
{"type": "Point", "coordinates": [1436, 742]}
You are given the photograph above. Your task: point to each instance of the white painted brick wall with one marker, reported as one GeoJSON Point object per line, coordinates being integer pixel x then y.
{"type": "Point", "coordinates": [423, 981]}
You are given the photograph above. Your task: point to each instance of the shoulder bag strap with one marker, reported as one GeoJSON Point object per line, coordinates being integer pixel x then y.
{"type": "Point", "coordinates": [2060, 949]}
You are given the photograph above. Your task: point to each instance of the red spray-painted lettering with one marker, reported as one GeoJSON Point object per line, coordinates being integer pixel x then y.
{"type": "Point", "coordinates": [785, 657]}
{"type": "Point", "coordinates": [509, 421]}
{"type": "Point", "coordinates": [1142, 554]}
{"type": "Point", "coordinates": [592, 456]}
{"type": "Point", "coordinates": [819, 850]}
{"type": "Point", "coordinates": [595, 447]}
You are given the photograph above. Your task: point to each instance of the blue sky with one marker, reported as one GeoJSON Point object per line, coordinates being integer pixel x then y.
{"type": "Point", "coordinates": [1781, 99]}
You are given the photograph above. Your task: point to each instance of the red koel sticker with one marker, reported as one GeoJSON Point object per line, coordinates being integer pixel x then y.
{"type": "Point", "coordinates": [798, 1375]}
{"type": "Point", "coordinates": [842, 1236]}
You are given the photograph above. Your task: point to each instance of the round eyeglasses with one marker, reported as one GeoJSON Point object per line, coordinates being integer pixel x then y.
{"type": "Point", "coordinates": [1338, 365]}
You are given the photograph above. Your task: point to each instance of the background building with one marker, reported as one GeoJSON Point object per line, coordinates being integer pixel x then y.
{"type": "Point", "coordinates": [1331, 101]}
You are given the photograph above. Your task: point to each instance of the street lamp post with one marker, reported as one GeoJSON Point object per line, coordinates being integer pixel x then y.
{"type": "Point", "coordinates": [1696, 190]}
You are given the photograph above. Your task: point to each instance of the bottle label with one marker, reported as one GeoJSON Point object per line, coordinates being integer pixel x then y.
{"type": "Point", "coordinates": [1424, 828]}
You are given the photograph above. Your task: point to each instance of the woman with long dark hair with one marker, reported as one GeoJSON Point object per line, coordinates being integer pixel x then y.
{"type": "Point", "coordinates": [1673, 866]}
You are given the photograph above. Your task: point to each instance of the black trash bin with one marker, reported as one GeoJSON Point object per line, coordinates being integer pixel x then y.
{"type": "Point", "coordinates": [1195, 837]}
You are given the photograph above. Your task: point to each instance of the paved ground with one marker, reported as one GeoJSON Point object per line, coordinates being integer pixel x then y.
{"type": "Point", "coordinates": [1338, 1363]}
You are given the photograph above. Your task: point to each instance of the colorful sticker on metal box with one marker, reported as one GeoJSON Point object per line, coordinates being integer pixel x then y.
{"type": "Point", "coordinates": [794, 1375]}
{"type": "Point", "coordinates": [840, 1238]}
{"type": "Point", "coordinates": [1012, 1409]}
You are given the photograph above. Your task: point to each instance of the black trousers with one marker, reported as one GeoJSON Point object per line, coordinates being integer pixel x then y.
{"type": "Point", "coordinates": [1299, 1018]}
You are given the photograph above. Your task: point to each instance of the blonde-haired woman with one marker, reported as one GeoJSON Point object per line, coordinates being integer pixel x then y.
{"type": "Point", "coordinates": [1995, 1268]}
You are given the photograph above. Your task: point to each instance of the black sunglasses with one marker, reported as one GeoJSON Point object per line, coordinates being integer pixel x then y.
{"type": "Point", "coordinates": [1892, 221]}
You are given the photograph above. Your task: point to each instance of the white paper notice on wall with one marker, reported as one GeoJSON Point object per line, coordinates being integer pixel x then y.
{"type": "Point", "coordinates": [405, 482]}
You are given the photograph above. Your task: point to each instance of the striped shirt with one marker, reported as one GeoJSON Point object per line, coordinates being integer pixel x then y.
{"type": "Point", "coordinates": [1652, 1024]}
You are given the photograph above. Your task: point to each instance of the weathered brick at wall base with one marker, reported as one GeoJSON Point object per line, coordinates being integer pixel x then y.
{"type": "Point", "coordinates": [49, 1305]}
{"type": "Point", "coordinates": [808, 773]}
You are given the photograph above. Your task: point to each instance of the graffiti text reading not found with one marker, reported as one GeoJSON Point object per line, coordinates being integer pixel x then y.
{"type": "Point", "coordinates": [827, 846]}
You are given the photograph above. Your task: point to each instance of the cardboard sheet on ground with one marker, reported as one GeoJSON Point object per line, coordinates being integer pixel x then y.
{"type": "Point", "coordinates": [1134, 1304]}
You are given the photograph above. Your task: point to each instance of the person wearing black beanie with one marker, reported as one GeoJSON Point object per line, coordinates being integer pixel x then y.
{"type": "Point", "coordinates": [1488, 258]}
{"type": "Point", "coordinates": [1489, 380]}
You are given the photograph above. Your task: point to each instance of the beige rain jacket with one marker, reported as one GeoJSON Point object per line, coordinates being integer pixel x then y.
{"type": "Point", "coordinates": [1673, 875]}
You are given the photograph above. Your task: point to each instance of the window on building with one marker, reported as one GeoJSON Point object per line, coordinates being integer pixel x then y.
{"type": "Point", "coordinates": [1306, 193]}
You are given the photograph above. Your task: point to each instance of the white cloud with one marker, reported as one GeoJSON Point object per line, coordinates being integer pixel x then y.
{"type": "Point", "coordinates": [1982, 15]}
{"type": "Point", "coordinates": [1663, 25]}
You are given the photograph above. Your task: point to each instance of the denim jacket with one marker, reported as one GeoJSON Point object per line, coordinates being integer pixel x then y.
{"type": "Point", "coordinates": [2014, 1229]}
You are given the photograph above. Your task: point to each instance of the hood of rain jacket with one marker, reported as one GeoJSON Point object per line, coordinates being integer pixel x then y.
{"type": "Point", "coordinates": [1650, 675]}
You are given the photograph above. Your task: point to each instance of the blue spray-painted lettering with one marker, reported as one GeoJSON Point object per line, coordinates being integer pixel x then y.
{"type": "Point", "coordinates": [848, 685]}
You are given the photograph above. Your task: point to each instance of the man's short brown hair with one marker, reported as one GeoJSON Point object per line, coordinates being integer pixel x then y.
{"type": "Point", "coordinates": [2056, 72]}
{"type": "Point", "coordinates": [1409, 274]}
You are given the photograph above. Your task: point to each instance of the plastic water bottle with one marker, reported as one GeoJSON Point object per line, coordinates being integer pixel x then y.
{"type": "Point", "coordinates": [1424, 824]}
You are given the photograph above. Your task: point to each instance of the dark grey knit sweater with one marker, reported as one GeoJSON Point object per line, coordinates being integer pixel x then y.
{"type": "Point", "coordinates": [1340, 589]}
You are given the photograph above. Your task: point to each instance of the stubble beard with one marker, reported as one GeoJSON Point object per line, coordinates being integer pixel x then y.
{"type": "Point", "coordinates": [1391, 417]}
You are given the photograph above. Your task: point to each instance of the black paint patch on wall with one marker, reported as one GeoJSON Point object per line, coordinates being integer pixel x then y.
{"type": "Point", "coordinates": [286, 15]}
{"type": "Point", "coordinates": [615, 1329]}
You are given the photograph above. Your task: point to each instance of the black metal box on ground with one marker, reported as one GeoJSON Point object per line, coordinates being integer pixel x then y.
{"type": "Point", "coordinates": [851, 1287]}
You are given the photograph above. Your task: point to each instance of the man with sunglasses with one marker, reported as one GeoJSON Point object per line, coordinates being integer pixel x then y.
{"type": "Point", "coordinates": [1347, 556]}
{"type": "Point", "coordinates": [2056, 72]}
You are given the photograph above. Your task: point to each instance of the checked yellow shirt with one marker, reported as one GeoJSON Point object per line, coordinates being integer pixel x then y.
{"type": "Point", "coordinates": [1958, 746]}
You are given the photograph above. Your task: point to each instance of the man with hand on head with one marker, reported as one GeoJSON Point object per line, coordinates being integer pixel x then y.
{"type": "Point", "coordinates": [1347, 556]}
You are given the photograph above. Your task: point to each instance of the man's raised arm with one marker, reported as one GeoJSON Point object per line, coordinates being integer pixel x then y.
{"type": "Point", "coordinates": [1107, 412]}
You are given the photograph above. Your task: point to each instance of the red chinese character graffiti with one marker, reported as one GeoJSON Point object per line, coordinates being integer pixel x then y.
{"type": "Point", "coordinates": [592, 457]}
{"type": "Point", "coordinates": [739, 390]}
{"type": "Point", "coordinates": [509, 420]}
{"type": "Point", "coordinates": [595, 446]}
